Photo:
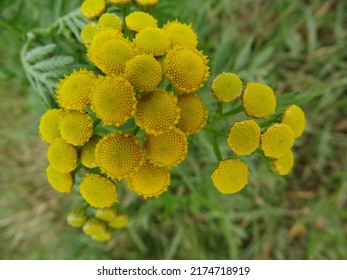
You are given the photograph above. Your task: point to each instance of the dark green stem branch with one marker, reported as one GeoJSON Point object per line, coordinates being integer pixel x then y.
{"type": "Point", "coordinates": [216, 149]}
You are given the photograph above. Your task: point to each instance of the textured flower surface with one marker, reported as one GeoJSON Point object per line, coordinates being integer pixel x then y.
{"type": "Point", "coordinates": [152, 40]}
{"type": "Point", "coordinates": [137, 21]}
{"type": "Point", "coordinates": [87, 152]}
{"type": "Point", "coordinates": [258, 100]}
{"type": "Point", "coordinates": [226, 87]}
{"type": "Point", "coordinates": [181, 34]}
{"type": "Point", "coordinates": [98, 191]}
{"type": "Point", "coordinates": [118, 154]}
{"type": "Point", "coordinates": [186, 69]}
{"type": "Point", "coordinates": [93, 8]}
{"type": "Point", "coordinates": [62, 156]}
{"type": "Point", "coordinates": [284, 164]}
{"type": "Point", "coordinates": [120, 2]}
{"type": "Point", "coordinates": [77, 218]}
{"type": "Point", "coordinates": [61, 182]}
{"type": "Point", "coordinates": [146, 3]}
{"type": "Point", "coordinates": [104, 236]}
{"type": "Point", "coordinates": [94, 227]}
{"type": "Point", "coordinates": [88, 32]}
{"type": "Point", "coordinates": [49, 125]}
{"type": "Point", "coordinates": [106, 214]}
{"type": "Point", "coordinates": [244, 137]}
{"type": "Point", "coordinates": [149, 180]}
{"type": "Point", "coordinates": [230, 176]}
{"type": "Point", "coordinates": [109, 20]}
{"type": "Point", "coordinates": [294, 116]}
{"type": "Point", "coordinates": [101, 36]}
{"type": "Point", "coordinates": [276, 140]}
{"type": "Point", "coordinates": [120, 221]}
{"type": "Point", "coordinates": [113, 100]}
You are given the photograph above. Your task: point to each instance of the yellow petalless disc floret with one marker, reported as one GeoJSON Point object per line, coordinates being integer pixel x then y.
{"type": "Point", "coordinates": [62, 156]}
{"type": "Point", "coordinates": [88, 33]}
{"type": "Point", "coordinates": [120, 2]}
{"type": "Point", "coordinates": [76, 128]}
{"type": "Point", "coordinates": [87, 152]}
{"type": "Point", "coordinates": [230, 176]}
{"type": "Point", "coordinates": [94, 227]}
{"type": "Point", "coordinates": [226, 87]}
{"type": "Point", "coordinates": [113, 100]}
{"type": "Point", "coordinates": [276, 140]}
{"type": "Point", "coordinates": [258, 100]}
{"type": "Point", "coordinates": [102, 36]}
{"type": "Point", "coordinates": [61, 182]}
{"type": "Point", "coordinates": [149, 180]}
{"type": "Point", "coordinates": [109, 20]}
{"type": "Point", "coordinates": [74, 90]}
{"type": "Point", "coordinates": [294, 116]}
{"type": "Point", "coordinates": [106, 214]}
{"type": "Point", "coordinates": [146, 3]}
{"type": "Point", "coordinates": [283, 165]}
{"type": "Point", "coordinates": [157, 111]}
{"type": "Point", "coordinates": [143, 72]}
{"type": "Point", "coordinates": [93, 8]}
{"type": "Point", "coordinates": [152, 40]}
{"type": "Point", "coordinates": [120, 221]}
{"type": "Point", "coordinates": [166, 149]}
{"type": "Point", "coordinates": [118, 154]}
{"type": "Point", "coordinates": [193, 115]}
{"type": "Point", "coordinates": [49, 125]}
{"type": "Point", "coordinates": [186, 69]}
{"type": "Point", "coordinates": [137, 21]}
{"type": "Point", "coordinates": [244, 137]}
{"type": "Point", "coordinates": [181, 34]}
{"type": "Point", "coordinates": [105, 236]}
{"type": "Point", "coordinates": [98, 191]}
{"type": "Point", "coordinates": [77, 218]}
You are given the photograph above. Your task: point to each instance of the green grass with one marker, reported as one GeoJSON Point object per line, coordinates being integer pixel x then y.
{"type": "Point", "coordinates": [294, 46]}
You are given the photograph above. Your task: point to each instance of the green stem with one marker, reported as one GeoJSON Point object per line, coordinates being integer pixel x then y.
{"type": "Point", "coordinates": [96, 122]}
{"type": "Point", "coordinates": [136, 130]}
{"type": "Point", "coordinates": [127, 31]}
{"type": "Point", "coordinates": [216, 149]}
{"type": "Point", "coordinates": [215, 132]}
{"type": "Point", "coordinates": [269, 121]}
{"type": "Point", "coordinates": [261, 154]}
{"type": "Point", "coordinates": [234, 111]}
{"type": "Point", "coordinates": [85, 207]}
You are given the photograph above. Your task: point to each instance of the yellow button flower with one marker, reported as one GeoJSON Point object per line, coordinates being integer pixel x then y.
{"type": "Point", "coordinates": [102, 36]}
{"type": "Point", "coordinates": [284, 164]}
{"type": "Point", "coordinates": [93, 8]}
{"type": "Point", "coordinates": [146, 3]}
{"type": "Point", "coordinates": [94, 227]}
{"type": "Point", "coordinates": [166, 149]}
{"type": "Point", "coordinates": [149, 180]}
{"type": "Point", "coordinates": [157, 111]}
{"type": "Point", "coordinates": [109, 20]}
{"type": "Point", "coordinates": [276, 140]}
{"type": "Point", "coordinates": [118, 154]}
{"type": "Point", "coordinates": [120, 221]}
{"type": "Point", "coordinates": [77, 218]}
{"type": "Point", "coordinates": [62, 156]}
{"type": "Point", "coordinates": [106, 214]}
{"type": "Point", "coordinates": [98, 191]}
{"type": "Point", "coordinates": [74, 90]}
{"type": "Point", "coordinates": [137, 21]}
{"type": "Point", "coordinates": [186, 69]}
{"type": "Point", "coordinates": [143, 72]}
{"type": "Point", "coordinates": [244, 137]}
{"type": "Point", "coordinates": [49, 125]}
{"type": "Point", "coordinates": [294, 116]}
{"type": "Point", "coordinates": [226, 87]}
{"type": "Point", "coordinates": [181, 34]}
{"type": "Point", "coordinates": [105, 236]}
{"type": "Point", "coordinates": [88, 32]}
{"type": "Point", "coordinates": [152, 40]}
{"type": "Point", "coordinates": [87, 152]}
{"type": "Point", "coordinates": [113, 100]}
{"type": "Point", "coordinates": [76, 128]}
{"type": "Point", "coordinates": [230, 176]}
{"type": "Point", "coordinates": [258, 100]}
{"type": "Point", "coordinates": [120, 2]}
{"type": "Point", "coordinates": [193, 115]}
{"type": "Point", "coordinates": [61, 182]}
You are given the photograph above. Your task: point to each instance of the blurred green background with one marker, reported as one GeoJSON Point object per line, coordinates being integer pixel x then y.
{"type": "Point", "coordinates": [292, 45]}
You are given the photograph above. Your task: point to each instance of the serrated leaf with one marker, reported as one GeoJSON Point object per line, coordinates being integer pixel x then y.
{"type": "Point", "coordinates": [38, 53]}
{"type": "Point", "coordinates": [55, 62]}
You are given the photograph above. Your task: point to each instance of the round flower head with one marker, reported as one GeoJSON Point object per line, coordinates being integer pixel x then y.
{"type": "Point", "coordinates": [181, 34]}
{"type": "Point", "coordinates": [61, 182]}
{"type": "Point", "coordinates": [193, 115]}
{"type": "Point", "coordinates": [166, 149]}
{"type": "Point", "coordinates": [98, 191]}
{"type": "Point", "coordinates": [230, 176]}
{"type": "Point", "coordinates": [105, 236]}
{"type": "Point", "coordinates": [118, 154]}
{"type": "Point", "coordinates": [87, 152]}
{"type": "Point", "coordinates": [76, 128]}
{"type": "Point", "coordinates": [93, 8]}
{"type": "Point", "coordinates": [149, 180]}
{"type": "Point", "coordinates": [62, 156]}
{"type": "Point", "coordinates": [77, 218]}
{"type": "Point", "coordinates": [88, 33]}
{"type": "Point", "coordinates": [244, 137]}
{"type": "Point", "coordinates": [294, 116]}
{"type": "Point", "coordinates": [120, 2]}
{"type": "Point", "coordinates": [106, 214]}
{"type": "Point", "coordinates": [152, 40]}
{"type": "Point", "coordinates": [258, 100]}
{"type": "Point", "coordinates": [110, 56]}
{"type": "Point", "coordinates": [277, 140]}
{"type": "Point", "coordinates": [143, 72]}
{"type": "Point", "coordinates": [283, 165]}
{"type": "Point", "coordinates": [157, 111]}
{"type": "Point", "coordinates": [186, 69]}
{"type": "Point", "coordinates": [226, 87]}
{"type": "Point", "coordinates": [120, 221]}
{"type": "Point", "coordinates": [102, 36]}
{"type": "Point", "coordinates": [146, 3]}
{"type": "Point", "coordinates": [94, 227]}
{"type": "Point", "coordinates": [74, 90]}
{"type": "Point", "coordinates": [49, 125]}
{"type": "Point", "coordinates": [137, 21]}
{"type": "Point", "coordinates": [113, 100]}
{"type": "Point", "coordinates": [109, 20]}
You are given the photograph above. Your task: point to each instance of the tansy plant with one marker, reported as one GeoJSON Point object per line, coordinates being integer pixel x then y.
{"type": "Point", "coordinates": [124, 115]}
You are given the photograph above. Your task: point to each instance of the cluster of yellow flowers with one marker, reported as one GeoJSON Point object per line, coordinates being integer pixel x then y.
{"type": "Point", "coordinates": [245, 137]}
